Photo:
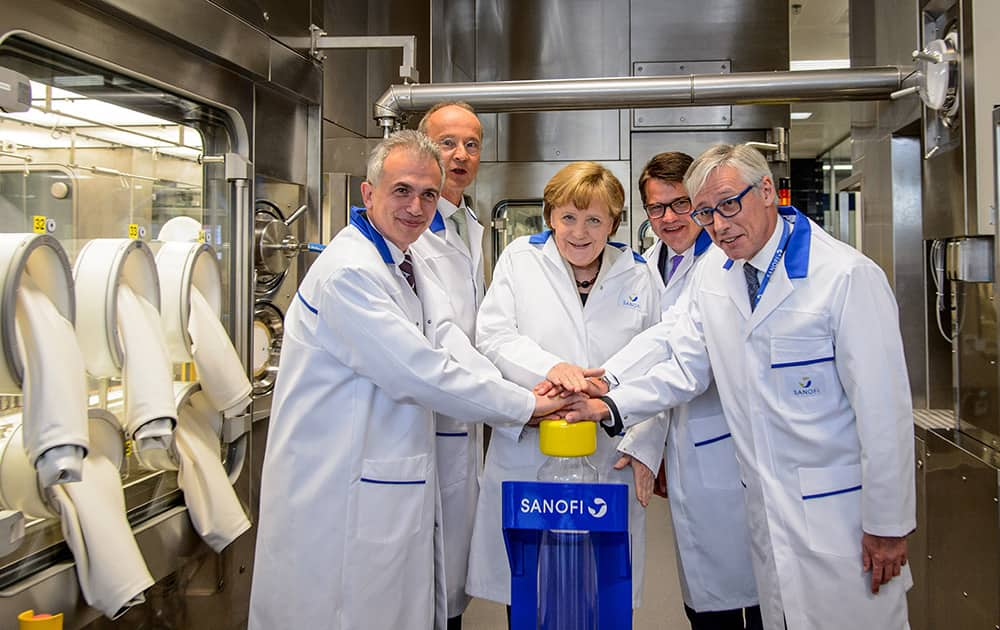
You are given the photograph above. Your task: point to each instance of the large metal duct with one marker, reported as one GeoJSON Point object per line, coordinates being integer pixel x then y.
{"type": "Point", "coordinates": [746, 88]}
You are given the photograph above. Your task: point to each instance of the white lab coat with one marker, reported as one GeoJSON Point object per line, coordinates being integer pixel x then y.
{"type": "Point", "coordinates": [459, 445]}
{"type": "Point", "coordinates": [349, 496]}
{"type": "Point", "coordinates": [814, 387]}
{"type": "Point", "coordinates": [707, 505]}
{"type": "Point", "coordinates": [533, 318]}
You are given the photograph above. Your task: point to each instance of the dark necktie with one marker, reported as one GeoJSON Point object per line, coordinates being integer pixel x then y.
{"type": "Point", "coordinates": [406, 266]}
{"type": "Point", "coordinates": [753, 284]}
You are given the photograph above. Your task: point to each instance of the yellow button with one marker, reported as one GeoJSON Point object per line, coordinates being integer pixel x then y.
{"type": "Point", "coordinates": [559, 438]}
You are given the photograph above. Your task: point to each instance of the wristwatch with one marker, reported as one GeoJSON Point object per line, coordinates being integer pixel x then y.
{"type": "Point", "coordinates": [612, 426]}
{"type": "Point", "coordinates": [610, 381]}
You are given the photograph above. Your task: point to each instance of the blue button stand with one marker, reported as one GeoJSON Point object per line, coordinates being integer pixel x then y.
{"type": "Point", "coordinates": [531, 507]}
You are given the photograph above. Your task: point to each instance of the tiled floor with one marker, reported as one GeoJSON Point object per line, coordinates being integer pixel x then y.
{"type": "Point", "coordinates": [662, 607]}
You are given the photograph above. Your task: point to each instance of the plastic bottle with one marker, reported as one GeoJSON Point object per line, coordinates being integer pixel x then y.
{"type": "Point", "coordinates": [567, 567]}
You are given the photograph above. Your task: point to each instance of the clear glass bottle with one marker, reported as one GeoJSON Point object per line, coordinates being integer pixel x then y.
{"type": "Point", "coordinates": [567, 565]}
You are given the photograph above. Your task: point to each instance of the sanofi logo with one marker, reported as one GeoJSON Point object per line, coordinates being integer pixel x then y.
{"type": "Point", "coordinates": [564, 506]}
{"type": "Point", "coordinates": [631, 301]}
{"type": "Point", "coordinates": [806, 388]}
{"type": "Point", "coordinates": [601, 508]}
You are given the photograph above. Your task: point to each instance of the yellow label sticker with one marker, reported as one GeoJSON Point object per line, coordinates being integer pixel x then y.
{"type": "Point", "coordinates": [201, 236]}
{"type": "Point", "coordinates": [133, 231]}
{"type": "Point", "coordinates": [38, 224]}
{"type": "Point", "coordinates": [128, 448]}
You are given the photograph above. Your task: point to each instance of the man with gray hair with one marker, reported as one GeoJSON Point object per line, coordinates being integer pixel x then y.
{"type": "Point", "coordinates": [348, 535]}
{"type": "Point", "coordinates": [453, 247]}
{"type": "Point", "coordinates": [801, 335]}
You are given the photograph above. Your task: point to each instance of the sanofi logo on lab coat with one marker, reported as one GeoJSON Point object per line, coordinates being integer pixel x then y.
{"type": "Point", "coordinates": [806, 387]}
{"type": "Point", "coordinates": [630, 300]}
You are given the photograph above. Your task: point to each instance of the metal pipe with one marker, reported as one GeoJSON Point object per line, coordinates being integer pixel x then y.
{"type": "Point", "coordinates": [743, 88]}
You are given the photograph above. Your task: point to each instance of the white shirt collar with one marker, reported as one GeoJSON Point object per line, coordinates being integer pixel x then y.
{"type": "Point", "coordinates": [447, 208]}
{"type": "Point", "coordinates": [762, 259]}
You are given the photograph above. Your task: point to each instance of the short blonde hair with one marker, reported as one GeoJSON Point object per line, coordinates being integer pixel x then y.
{"type": "Point", "coordinates": [582, 183]}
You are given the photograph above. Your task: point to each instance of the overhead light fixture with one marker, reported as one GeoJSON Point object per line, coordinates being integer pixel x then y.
{"type": "Point", "coordinates": [819, 64]}
{"type": "Point", "coordinates": [839, 167]}
{"type": "Point", "coordinates": [801, 115]}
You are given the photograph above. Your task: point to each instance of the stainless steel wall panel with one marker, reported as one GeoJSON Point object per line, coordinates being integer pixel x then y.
{"type": "Point", "coordinates": [555, 39]}
{"type": "Point", "coordinates": [962, 534]}
{"type": "Point", "coordinates": [281, 126]}
{"type": "Point", "coordinates": [199, 24]}
{"type": "Point", "coordinates": [277, 18]}
{"type": "Point", "coordinates": [754, 35]}
{"type": "Point", "coordinates": [978, 375]}
{"type": "Point", "coordinates": [916, 598]}
{"type": "Point", "coordinates": [394, 17]}
{"type": "Point", "coordinates": [982, 91]}
{"type": "Point", "coordinates": [287, 70]}
{"type": "Point", "coordinates": [558, 136]}
{"type": "Point", "coordinates": [906, 266]}
{"type": "Point", "coordinates": [345, 72]}
{"type": "Point", "coordinates": [453, 41]}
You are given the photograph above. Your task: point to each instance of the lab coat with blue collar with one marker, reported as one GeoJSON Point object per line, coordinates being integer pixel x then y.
{"type": "Point", "coordinates": [349, 497]}
{"type": "Point", "coordinates": [707, 506]}
{"type": "Point", "coordinates": [532, 319]}
{"type": "Point", "coordinates": [459, 445]}
{"type": "Point", "coordinates": [814, 387]}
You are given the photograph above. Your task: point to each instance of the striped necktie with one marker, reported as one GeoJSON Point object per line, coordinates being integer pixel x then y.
{"type": "Point", "coordinates": [406, 266]}
{"type": "Point", "coordinates": [753, 284]}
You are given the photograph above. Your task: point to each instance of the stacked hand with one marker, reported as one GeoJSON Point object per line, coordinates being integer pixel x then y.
{"type": "Point", "coordinates": [572, 391]}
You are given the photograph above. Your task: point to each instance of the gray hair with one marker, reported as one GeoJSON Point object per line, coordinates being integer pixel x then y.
{"type": "Point", "coordinates": [747, 161]}
{"type": "Point", "coordinates": [422, 127]}
{"type": "Point", "coordinates": [407, 140]}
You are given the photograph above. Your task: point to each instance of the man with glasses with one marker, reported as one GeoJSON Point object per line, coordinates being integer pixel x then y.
{"type": "Point", "coordinates": [702, 475]}
{"type": "Point", "coordinates": [453, 248]}
{"type": "Point", "coordinates": [801, 335]}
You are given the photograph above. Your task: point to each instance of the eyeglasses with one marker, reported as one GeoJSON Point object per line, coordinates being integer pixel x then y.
{"type": "Point", "coordinates": [449, 145]}
{"type": "Point", "coordinates": [682, 205]}
{"type": "Point", "coordinates": [728, 208]}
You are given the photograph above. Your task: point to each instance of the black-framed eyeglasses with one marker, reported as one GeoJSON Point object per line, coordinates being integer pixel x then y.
{"type": "Point", "coordinates": [681, 205]}
{"type": "Point", "coordinates": [472, 147]}
{"type": "Point", "coordinates": [728, 208]}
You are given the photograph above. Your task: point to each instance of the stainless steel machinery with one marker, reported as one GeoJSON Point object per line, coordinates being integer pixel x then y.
{"type": "Point", "coordinates": [141, 113]}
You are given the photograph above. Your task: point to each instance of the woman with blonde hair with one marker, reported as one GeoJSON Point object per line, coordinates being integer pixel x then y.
{"type": "Point", "coordinates": [562, 298]}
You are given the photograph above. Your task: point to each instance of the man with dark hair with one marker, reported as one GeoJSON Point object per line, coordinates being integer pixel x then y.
{"type": "Point", "coordinates": [702, 474]}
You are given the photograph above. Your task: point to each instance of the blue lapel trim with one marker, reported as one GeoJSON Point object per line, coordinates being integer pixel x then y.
{"type": "Point", "coordinates": [540, 238]}
{"type": "Point", "coordinates": [797, 254]}
{"type": "Point", "coordinates": [437, 223]}
{"type": "Point", "coordinates": [359, 219]}
{"type": "Point", "coordinates": [636, 256]}
{"type": "Point", "coordinates": [799, 244]}
{"type": "Point", "coordinates": [702, 243]}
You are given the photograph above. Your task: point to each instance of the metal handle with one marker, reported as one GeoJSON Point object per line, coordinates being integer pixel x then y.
{"type": "Point", "coordinates": [295, 216]}
{"type": "Point", "coordinates": [762, 146]}
{"type": "Point", "coordinates": [898, 94]}
{"type": "Point", "coordinates": [927, 55]}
